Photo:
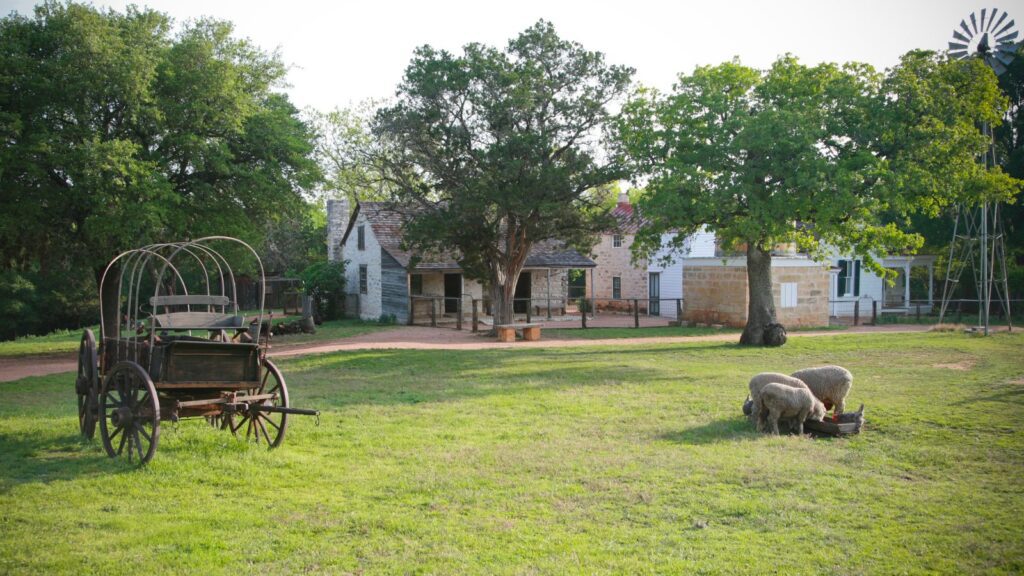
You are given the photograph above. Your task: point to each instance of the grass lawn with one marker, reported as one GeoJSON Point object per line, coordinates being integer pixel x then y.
{"type": "Point", "coordinates": [592, 460]}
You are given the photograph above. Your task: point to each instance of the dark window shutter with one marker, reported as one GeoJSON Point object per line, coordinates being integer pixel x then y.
{"type": "Point", "coordinates": [856, 278]}
{"type": "Point", "coordinates": [841, 278]}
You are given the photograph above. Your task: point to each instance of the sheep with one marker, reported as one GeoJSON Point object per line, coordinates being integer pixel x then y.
{"type": "Point", "coordinates": [758, 382]}
{"type": "Point", "coordinates": [830, 384]}
{"type": "Point", "coordinates": [781, 401]}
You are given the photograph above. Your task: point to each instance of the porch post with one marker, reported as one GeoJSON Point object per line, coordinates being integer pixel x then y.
{"type": "Point", "coordinates": [549, 293]}
{"type": "Point", "coordinates": [906, 285]}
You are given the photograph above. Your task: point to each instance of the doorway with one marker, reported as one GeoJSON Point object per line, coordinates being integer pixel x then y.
{"type": "Point", "coordinates": [654, 293]}
{"type": "Point", "coordinates": [452, 292]}
{"type": "Point", "coordinates": [521, 299]}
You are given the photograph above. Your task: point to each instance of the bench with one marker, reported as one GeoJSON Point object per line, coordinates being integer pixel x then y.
{"type": "Point", "coordinates": [507, 332]}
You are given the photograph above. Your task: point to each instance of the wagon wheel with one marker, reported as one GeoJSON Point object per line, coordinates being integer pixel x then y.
{"type": "Point", "coordinates": [130, 413]}
{"type": "Point", "coordinates": [87, 385]}
{"type": "Point", "coordinates": [266, 427]}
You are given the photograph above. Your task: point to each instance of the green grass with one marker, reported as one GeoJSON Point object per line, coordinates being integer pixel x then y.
{"type": "Point", "coordinates": [596, 460]}
{"type": "Point", "coordinates": [651, 332]}
{"type": "Point", "coordinates": [53, 343]}
{"type": "Point", "coordinates": [334, 330]}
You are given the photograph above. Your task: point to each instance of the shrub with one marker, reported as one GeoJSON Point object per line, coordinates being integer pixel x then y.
{"type": "Point", "coordinates": [325, 283]}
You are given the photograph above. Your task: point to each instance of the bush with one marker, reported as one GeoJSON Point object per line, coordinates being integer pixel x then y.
{"type": "Point", "coordinates": [325, 283]}
{"type": "Point", "coordinates": [387, 319]}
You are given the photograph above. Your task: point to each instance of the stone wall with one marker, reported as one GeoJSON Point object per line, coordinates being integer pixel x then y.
{"type": "Point", "coordinates": [615, 261]}
{"type": "Point", "coordinates": [716, 293]}
{"type": "Point", "coordinates": [337, 220]}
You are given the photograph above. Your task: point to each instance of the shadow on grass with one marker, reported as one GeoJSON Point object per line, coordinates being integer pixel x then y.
{"type": "Point", "coordinates": [736, 429]}
{"type": "Point", "coordinates": [47, 458]}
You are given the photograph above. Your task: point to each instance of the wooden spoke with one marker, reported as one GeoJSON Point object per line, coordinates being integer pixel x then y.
{"type": "Point", "coordinates": [130, 405]}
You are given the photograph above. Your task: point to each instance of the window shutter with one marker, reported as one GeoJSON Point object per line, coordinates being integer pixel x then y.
{"type": "Point", "coordinates": [841, 278]}
{"type": "Point", "coordinates": [856, 278]}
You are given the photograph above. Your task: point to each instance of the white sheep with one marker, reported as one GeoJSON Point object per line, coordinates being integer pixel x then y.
{"type": "Point", "coordinates": [781, 401]}
{"type": "Point", "coordinates": [758, 382]}
{"type": "Point", "coordinates": [830, 384]}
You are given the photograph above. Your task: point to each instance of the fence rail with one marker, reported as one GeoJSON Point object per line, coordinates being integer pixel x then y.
{"type": "Point", "coordinates": [588, 312]}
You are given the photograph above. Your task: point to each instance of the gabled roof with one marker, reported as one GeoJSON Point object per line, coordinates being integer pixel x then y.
{"type": "Point", "coordinates": [627, 219]}
{"type": "Point", "coordinates": [387, 228]}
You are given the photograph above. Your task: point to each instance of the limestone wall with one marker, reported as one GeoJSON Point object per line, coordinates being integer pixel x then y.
{"type": "Point", "coordinates": [615, 261]}
{"type": "Point", "coordinates": [716, 292]}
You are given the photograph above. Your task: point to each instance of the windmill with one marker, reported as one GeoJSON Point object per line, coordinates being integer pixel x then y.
{"type": "Point", "coordinates": [978, 231]}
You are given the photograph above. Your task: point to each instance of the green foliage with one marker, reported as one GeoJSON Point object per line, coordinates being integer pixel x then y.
{"type": "Point", "coordinates": [496, 150]}
{"type": "Point", "coordinates": [325, 283]}
{"type": "Point", "coordinates": [349, 153]}
{"type": "Point", "coordinates": [633, 459]}
{"type": "Point", "coordinates": [118, 131]}
{"type": "Point", "coordinates": [752, 154]}
{"type": "Point", "coordinates": [295, 241]}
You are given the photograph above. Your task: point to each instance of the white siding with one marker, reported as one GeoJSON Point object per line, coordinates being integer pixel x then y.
{"type": "Point", "coordinates": [369, 303]}
{"type": "Point", "coordinates": [699, 244]}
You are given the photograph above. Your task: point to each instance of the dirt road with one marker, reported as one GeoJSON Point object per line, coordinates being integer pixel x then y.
{"type": "Point", "coordinates": [424, 338]}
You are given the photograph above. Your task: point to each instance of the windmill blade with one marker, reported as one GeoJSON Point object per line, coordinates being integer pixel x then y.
{"type": "Point", "coordinates": [963, 25]}
{"type": "Point", "coordinates": [974, 23]}
{"type": "Point", "coordinates": [996, 25]}
{"type": "Point", "coordinates": [1007, 37]}
{"type": "Point", "coordinates": [959, 36]}
{"type": "Point", "coordinates": [956, 46]}
{"type": "Point", "coordinates": [1003, 57]}
{"type": "Point", "coordinates": [1004, 28]}
{"type": "Point", "coordinates": [959, 54]}
{"type": "Point", "coordinates": [996, 65]}
{"type": "Point", "coordinates": [982, 19]}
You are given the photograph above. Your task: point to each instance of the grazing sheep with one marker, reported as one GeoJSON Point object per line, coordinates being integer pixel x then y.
{"type": "Point", "coordinates": [781, 401]}
{"type": "Point", "coordinates": [758, 382]}
{"type": "Point", "coordinates": [830, 384]}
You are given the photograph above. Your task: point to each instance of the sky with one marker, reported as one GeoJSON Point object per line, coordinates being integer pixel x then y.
{"type": "Point", "coordinates": [340, 53]}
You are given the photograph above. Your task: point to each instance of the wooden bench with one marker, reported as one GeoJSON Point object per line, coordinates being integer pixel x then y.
{"type": "Point", "coordinates": [507, 332]}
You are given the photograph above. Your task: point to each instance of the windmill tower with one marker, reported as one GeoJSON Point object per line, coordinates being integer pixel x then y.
{"type": "Point", "coordinates": [978, 239]}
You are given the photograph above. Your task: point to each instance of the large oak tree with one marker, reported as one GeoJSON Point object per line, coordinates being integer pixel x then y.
{"type": "Point", "coordinates": [120, 129]}
{"type": "Point", "coordinates": [492, 151]}
{"type": "Point", "coordinates": [811, 154]}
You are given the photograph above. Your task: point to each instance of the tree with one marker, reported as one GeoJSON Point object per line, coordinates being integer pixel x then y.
{"type": "Point", "coordinates": [351, 157]}
{"type": "Point", "coordinates": [118, 131]}
{"type": "Point", "coordinates": [813, 155]}
{"type": "Point", "coordinates": [491, 152]}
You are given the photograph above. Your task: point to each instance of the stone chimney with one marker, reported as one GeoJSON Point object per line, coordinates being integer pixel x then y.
{"type": "Point", "coordinates": [624, 203]}
{"type": "Point", "coordinates": [337, 220]}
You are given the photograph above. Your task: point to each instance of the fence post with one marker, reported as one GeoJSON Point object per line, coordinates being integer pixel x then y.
{"type": "Point", "coordinates": [874, 312]}
{"type": "Point", "coordinates": [583, 311]}
{"type": "Point", "coordinates": [679, 311]}
{"type": "Point", "coordinates": [636, 313]}
{"type": "Point", "coordinates": [529, 308]}
{"type": "Point", "coordinates": [856, 312]}
{"type": "Point", "coordinates": [476, 319]}
{"type": "Point", "coordinates": [412, 310]}
{"type": "Point", "coordinates": [433, 312]}
{"type": "Point", "coordinates": [549, 304]}
{"type": "Point", "coordinates": [458, 314]}
{"type": "Point", "coordinates": [959, 312]}
{"type": "Point", "coordinates": [918, 313]}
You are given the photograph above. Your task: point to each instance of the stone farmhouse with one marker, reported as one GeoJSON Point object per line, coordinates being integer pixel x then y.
{"type": "Point", "coordinates": [383, 279]}
{"type": "Point", "coordinates": [712, 287]}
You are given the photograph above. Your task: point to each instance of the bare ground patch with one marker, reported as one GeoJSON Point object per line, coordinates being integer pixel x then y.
{"type": "Point", "coordinates": [963, 365]}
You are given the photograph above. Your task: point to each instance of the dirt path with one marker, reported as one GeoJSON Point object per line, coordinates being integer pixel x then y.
{"type": "Point", "coordinates": [423, 338]}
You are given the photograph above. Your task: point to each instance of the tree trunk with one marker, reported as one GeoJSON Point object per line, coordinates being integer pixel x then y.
{"type": "Point", "coordinates": [503, 293]}
{"type": "Point", "coordinates": [761, 310]}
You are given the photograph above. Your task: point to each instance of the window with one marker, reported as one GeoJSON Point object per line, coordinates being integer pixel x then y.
{"type": "Point", "coordinates": [787, 297]}
{"type": "Point", "coordinates": [362, 278]}
{"type": "Point", "coordinates": [616, 287]}
{"type": "Point", "coordinates": [361, 237]}
{"type": "Point", "coordinates": [617, 241]}
{"type": "Point", "coordinates": [848, 279]}
{"type": "Point", "coordinates": [416, 285]}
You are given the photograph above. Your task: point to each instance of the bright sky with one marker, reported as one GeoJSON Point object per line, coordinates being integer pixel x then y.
{"type": "Point", "coordinates": [343, 52]}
